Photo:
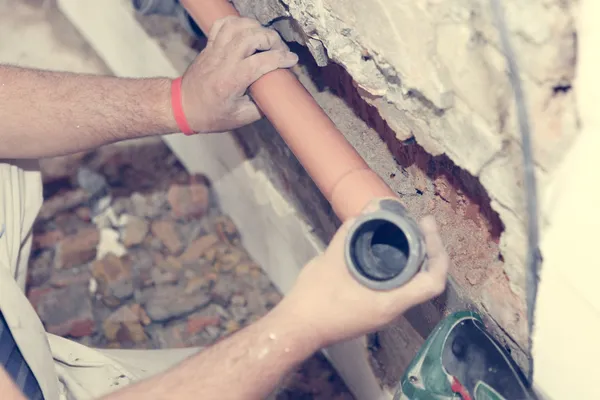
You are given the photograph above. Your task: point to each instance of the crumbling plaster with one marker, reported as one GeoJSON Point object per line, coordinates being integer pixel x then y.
{"type": "Point", "coordinates": [434, 71]}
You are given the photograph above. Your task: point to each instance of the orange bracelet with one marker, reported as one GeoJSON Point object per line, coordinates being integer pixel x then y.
{"type": "Point", "coordinates": [177, 106]}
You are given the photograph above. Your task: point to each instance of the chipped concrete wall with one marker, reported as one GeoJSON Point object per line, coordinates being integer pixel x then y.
{"type": "Point", "coordinates": [428, 76]}
{"type": "Point", "coordinates": [434, 71]}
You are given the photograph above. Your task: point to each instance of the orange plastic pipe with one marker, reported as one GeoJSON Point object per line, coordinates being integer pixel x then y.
{"type": "Point", "coordinates": [338, 170]}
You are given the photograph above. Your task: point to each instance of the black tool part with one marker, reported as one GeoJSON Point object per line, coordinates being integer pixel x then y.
{"type": "Point", "coordinates": [472, 356]}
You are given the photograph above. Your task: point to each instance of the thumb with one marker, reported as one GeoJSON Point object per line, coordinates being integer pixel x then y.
{"type": "Point", "coordinates": [247, 111]}
{"type": "Point", "coordinates": [260, 64]}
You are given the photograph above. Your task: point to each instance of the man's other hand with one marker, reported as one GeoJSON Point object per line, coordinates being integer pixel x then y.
{"type": "Point", "coordinates": [333, 306]}
{"type": "Point", "coordinates": [214, 89]}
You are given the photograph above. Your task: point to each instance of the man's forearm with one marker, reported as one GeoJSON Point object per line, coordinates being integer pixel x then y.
{"type": "Point", "coordinates": [247, 365]}
{"type": "Point", "coordinates": [52, 113]}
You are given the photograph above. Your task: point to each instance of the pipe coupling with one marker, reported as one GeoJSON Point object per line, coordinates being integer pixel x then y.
{"type": "Point", "coordinates": [385, 249]}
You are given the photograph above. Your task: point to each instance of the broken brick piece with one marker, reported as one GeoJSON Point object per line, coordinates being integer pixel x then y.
{"type": "Point", "coordinates": [135, 231]}
{"type": "Point", "coordinates": [169, 302]}
{"type": "Point", "coordinates": [188, 201]}
{"type": "Point", "coordinates": [114, 279]}
{"type": "Point", "coordinates": [226, 230]}
{"type": "Point", "coordinates": [47, 240]}
{"type": "Point", "coordinates": [196, 324]}
{"type": "Point", "coordinates": [165, 231]}
{"type": "Point", "coordinates": [77, 249]}
{"type": "Point", "coordinates": [199, 247]}
{"type": "Point", "coordinates": [124, 325]}
{"type": "Point", "coordinates": [67, 311]}
{"type": "Point", "coordinates": [62, 202]}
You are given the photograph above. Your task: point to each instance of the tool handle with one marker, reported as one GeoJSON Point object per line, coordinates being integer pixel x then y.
{"type": "Point", "coordinates": [385, 248]}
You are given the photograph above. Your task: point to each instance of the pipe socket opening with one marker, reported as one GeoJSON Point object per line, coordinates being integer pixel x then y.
{"type": "Point", "coordinates": [380, 250]}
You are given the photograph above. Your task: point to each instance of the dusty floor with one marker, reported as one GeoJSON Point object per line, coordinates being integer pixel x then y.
{"type": "Point", "coordinates": [151, 259]}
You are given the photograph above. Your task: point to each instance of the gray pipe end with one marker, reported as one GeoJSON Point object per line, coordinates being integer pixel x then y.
{"type": "Point", "coordinates": [385, 249]}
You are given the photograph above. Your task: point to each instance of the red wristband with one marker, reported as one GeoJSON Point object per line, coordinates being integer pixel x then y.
{"type": "Point", "coordinates": [177, 107]}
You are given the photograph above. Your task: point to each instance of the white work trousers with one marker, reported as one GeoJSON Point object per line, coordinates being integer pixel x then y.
{"type": "Point", "coordinates": [63, 368]}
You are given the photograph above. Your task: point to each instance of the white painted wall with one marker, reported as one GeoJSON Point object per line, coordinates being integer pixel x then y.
{"type": "Point", "coordinates": [567, 334]}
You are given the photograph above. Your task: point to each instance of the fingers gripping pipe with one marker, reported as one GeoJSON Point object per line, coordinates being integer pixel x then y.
{"type": "Point", "coordinates": [388, 247]}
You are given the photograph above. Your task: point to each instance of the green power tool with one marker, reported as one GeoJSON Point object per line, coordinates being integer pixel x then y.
{"type": "Point", "coordinates": [461, 361]}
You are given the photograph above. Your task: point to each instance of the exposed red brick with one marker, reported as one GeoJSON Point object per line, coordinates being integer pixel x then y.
{"type": "Point", "coordinates": [460, 184]}
{"type": "Point", "coordinates": [469, 226]}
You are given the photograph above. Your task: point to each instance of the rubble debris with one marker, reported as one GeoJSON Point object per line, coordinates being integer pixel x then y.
{"type": "Point", "coordinates": [188, 201]}
{"type": "Point", "coordinates": [168, 302]}
{"type": "Point", "coordinates": [62, 315]}
{"type": "Point", "coordinates": [40, 268]}
{"type": "Point", "coordinates": [153, 272]}
{"type": "Point", "coordinates": [114, 279]}
{"type": "Point", "coordinates": [47, 240]}
{"type": "Point", "coordinates": [124, 325]}
{"type": "Point", "coordinates": [135, 230]}
{"type": "Point", "coordinates": [165, 231]}
{"type": "Point", "coordinates": [148, 206]}
{"type": "Point", "coordinates": [77, 249]}
{"type": "Point", "coordinates": [110, 243]}
{"type": "Point", "coordinates": [61, 203]}
{"type": "Point", "coordinates": [199, 247]}
{"type": "Point", "coordinates": [96, 187]}
{"type": "Point", "coordinates": [226, 230]}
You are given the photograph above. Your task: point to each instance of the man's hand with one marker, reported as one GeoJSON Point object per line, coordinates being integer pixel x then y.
{"type": "Point", "coordinates": [334, 306]}
{"type": "Point", "coordinates": [326, 305]}
{"type": "Point", "coordinates": [239, 51]}
{"type": "Point", "coordinates": [76, 112]}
